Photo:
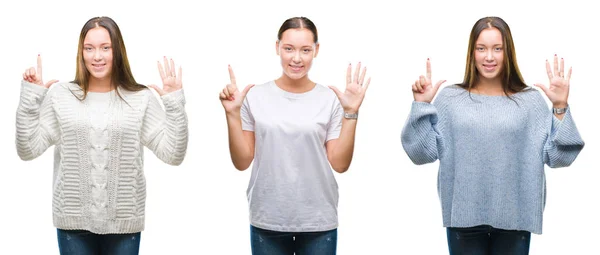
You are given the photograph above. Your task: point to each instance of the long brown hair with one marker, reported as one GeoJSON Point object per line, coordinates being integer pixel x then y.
{"type": "Point", "coordinates": [512, 81]}
{"type": "Point", "coordinates": [121, 76]}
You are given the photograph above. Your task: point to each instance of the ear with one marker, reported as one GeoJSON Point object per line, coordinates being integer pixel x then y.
{"type": "Point", "coordinates": [277, 47]}
{"type": "Point", "coordinates": [316, 50]}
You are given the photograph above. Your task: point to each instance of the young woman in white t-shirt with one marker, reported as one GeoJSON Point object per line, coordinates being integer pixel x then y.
{"type": "Point", "coordinates": [295, 130]}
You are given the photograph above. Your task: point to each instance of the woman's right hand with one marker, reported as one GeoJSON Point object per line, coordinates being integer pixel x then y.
{"type": "Point", "coordinates": [231, 97]}
{"type": "Point", "coordinates": [423, 90]}
{"type": "Point", "coordinates": [32, 76]}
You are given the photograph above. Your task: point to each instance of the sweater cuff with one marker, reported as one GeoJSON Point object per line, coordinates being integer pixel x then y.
{"type": "Point", "coordinates": [565, 131]}
{"type": "Point", "coordinates": [32, 96]}
{"type": "Point", "coordinates": [420, 110]}
{"type": "Point", "coordinates": [29, 87]}
{"type": "Point", "coordinates": [174, 97]}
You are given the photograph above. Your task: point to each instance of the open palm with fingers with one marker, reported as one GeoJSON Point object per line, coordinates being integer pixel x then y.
{"type": "Point", "coordinates": [171, 81]}
{"type": "Point", "coordinates": [231, 97]}
{"type": "Point", "coordinates": [356, 87]}
{"type": "Point", "coordinates": [558, 92]}
{"type": "Point", "coordinates": [34, 75]}
{"type": "Point", "coordinates": [423, 89]}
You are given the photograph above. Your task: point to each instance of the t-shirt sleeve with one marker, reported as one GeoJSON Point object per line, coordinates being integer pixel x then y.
{"type": "Point", "coordinates": [335, 124]}
{"type": "Point", "coordinates": [246, 115]}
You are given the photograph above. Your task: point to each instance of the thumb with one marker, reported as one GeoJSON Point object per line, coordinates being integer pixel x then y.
{"type": "Point", "coordinates": [542, 87]}
{"type": "Point", "coordinates": [48, 84]}
{"type": "Point", "coordinates": [437, 85]}
{"type": "Point", "coordinates": [158, 90]}
{"type": "Point", "coordinates": [246, 89]}
{"type": "Point", "coordinates": [337, 92]}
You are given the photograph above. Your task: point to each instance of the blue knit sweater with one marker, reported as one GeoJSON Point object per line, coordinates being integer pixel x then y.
{"type": "Point", "coordinates": [492, 152]}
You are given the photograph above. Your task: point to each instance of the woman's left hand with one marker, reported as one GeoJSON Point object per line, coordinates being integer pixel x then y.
{"type": "Point", "coordinates": [558, 92]}
{"type": "Point", "coordinates": [171, 81]}
{"type": "Point", "coordinates": [352, 98]}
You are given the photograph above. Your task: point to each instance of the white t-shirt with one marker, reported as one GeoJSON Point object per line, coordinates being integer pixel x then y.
{"type": "Point", "coordinates": [292, 187]}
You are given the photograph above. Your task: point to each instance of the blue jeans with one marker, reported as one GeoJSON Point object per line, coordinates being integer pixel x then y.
{"type": "Point", "coordinates": [267, 242]}
{"type": "Point", "coordinates": [82, 242]}
{"type": "Point", "coordinates": [484, 239]}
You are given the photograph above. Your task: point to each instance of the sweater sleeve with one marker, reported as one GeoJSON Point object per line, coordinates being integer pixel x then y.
{"type": "Point", "coordinates": [166, 132]}
{"type": "Point", "coordinates": [36, 125]}
{"type": "Point", "coordinates": [421, 138]}
{"type": "Point", "coordinates": [563, 143]}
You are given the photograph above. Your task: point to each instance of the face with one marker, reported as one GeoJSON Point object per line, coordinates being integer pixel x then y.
{"type": "Point", "coordinates": [489, 53]}
{"type": "Point", "coordinates": [97, 53]}
{"type": "Point", "coordinates": [297, 50]}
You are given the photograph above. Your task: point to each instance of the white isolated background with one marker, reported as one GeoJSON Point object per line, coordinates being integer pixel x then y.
{"type": "Point", "coordinates": [387, 204]}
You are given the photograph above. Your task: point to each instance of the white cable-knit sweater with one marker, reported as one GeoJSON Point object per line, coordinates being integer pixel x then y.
{"type": "Point", "coordinates": [99, 182]}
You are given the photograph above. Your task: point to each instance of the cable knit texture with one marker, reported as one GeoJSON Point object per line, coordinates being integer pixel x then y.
{"type": "Point", "coordinates": [492, 152]}
{"type": "Point", "coordinates": [99, 182]}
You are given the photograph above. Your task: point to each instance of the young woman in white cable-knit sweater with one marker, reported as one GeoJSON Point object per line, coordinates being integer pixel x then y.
{"type": "Point", "coordinates": [99, 124]}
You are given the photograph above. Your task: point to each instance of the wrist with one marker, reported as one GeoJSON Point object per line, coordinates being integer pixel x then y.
{"type": "Point", "coordinates": [559, 108]}
{"type": "Point", "coordinates": [351, 110]}
{"type": "Point", "coordinates": [233, 113]}
{"type": "Point", "coordinates": [560, 105]}
{"type": "Point", "coordinates": [351, 115]}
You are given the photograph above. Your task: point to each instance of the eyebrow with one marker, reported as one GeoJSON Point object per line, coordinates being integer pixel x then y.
{"type": "Point", "coordinates": [480, 44]}
{"type": "Point", "coordinates": [305, 46]}
{"type": "Point", "coordinates": [90, 44]}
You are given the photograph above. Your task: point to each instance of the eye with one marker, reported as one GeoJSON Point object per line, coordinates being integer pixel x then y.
{"type": "Point", "coordinates": [105, 48]}
{"type": "Point", "coordinates": [308, 50]}
{"type": "Point", "coordinates": [498, 49]}
{"type": "Point", "coordinates": [287, 48]}
{"type": "Point", "coordinates": [479, 48]}
{"type": "Point", "coordinates": [87, 48]}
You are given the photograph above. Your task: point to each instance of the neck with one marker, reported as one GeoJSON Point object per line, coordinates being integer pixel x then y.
{"type": "Point", "coordinates": [301, 85]}
{"type": "Point", "coordinates": [492, 87]}
{"type": "Point", "coordinates": [100, 85]}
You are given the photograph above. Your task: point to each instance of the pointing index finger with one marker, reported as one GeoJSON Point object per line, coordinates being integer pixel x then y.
{"type": "Point", "coordinates": [428, 69]}
{"type": "Point", "coordinates": [231, 75]}
{"type": "Point", "coordinates": [39, 65]}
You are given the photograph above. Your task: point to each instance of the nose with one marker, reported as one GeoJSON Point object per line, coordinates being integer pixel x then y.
{"type": "Point", "coordinates": [296, 57]}
{"type": "Point", "coordinates": [489, 56]}
{"type": "Point", "coordinates": [97, 55]}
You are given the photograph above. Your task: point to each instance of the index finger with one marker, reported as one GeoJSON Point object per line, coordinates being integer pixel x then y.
{"type": "Point", "coordinates": [556, 65]}
{"type": "Point", "coordinates": [231, 75]}
{"type": "Point", "coordinates": [428, 69]}
{"type": "Point", "coordinates": [39, 65]}
{"type": "Point", "coordinates": [161, 71]}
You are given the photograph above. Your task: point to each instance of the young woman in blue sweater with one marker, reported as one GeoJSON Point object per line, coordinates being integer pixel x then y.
{"type": "Point", "coordinates": [492, 134]}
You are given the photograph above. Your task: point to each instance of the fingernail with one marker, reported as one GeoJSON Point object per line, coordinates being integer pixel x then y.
{"type": "Point", "coordinates": [427, 58]}
{"type": "Point", "coordinates": [555, 54]}
{"type": "Point", "coordinates": [38, 54]}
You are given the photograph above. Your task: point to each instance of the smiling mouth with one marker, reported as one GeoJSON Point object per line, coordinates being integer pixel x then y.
{"type": "Point", "coordinates": [296, 68]}
{"type": "Point", "coordinates": [98, 66]}
{"type": "Point", "coordinates": [489, 67]}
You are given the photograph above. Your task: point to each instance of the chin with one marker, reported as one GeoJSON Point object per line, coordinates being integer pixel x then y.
{"type": "Point", "coordinates": [492, 76]}
{"type": "Point", "coordinates": [101, 76]}
{"type": "Point", "coordinates": [295, 76]}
